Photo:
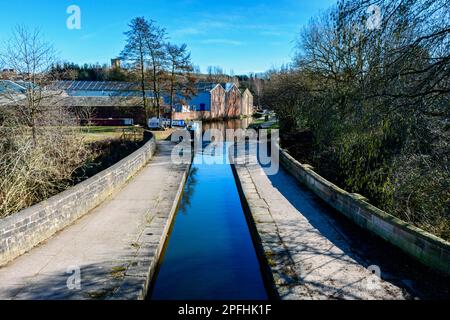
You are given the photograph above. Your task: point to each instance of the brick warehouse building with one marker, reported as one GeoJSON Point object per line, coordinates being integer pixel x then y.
{"type": "Point", "coordinates": [216, 101]}
{"type": "Point", "coordinates": [247, 102]}
{"type": "Point", "coordinates": [122, 100]}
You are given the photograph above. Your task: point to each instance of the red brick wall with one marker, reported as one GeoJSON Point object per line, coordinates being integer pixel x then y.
{"type": "Point", "coordinates": [218, 102]}
{"type": "Point", "coordinates": [233, 103]}
{"type": "Point", "coordinates": [193, 115]}
{"type": "Point", "coordinates": [247, 103]}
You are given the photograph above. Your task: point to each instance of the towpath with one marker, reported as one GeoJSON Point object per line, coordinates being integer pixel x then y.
{"type": "Point", "coordinates": [111, 252]}
{"type": "Point", "coordinates": [315, 253]}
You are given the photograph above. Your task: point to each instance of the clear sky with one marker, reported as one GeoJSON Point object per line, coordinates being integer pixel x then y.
{"type": "Point", "coordinates": [240, 35]}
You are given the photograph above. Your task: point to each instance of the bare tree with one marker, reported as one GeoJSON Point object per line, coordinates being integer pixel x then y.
{"type": "Point", "coordinates": [155, 38]}
{"type": "Point", "coordinates": [217, 74]}
{"type": "Point", "coordinates": [136, 51]}
{"type": "Point", "coordinates": [256, 84]}
{"type": "Point", "coordinates": [31, 58]}
{"type": "Point", "coordinates": [85, 114]}
{"type": "Point", "coordinates": [180, 67]}
{"type": "Point", "coordinates": [40, 145]}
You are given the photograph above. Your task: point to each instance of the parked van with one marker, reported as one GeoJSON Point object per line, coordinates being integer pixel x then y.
{"type": "Point", "coordinates": [154, 124]}
{"type": "Point", "coordinates": [163, 123]}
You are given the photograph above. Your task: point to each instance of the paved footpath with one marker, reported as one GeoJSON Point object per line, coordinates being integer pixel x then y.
{"type": "Point", "coordinates": [115, 247]}
{"type": "Point", "coordinates": [309, 255]}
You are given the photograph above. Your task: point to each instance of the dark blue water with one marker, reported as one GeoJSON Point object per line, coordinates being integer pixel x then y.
{"type": "Point", "coordinates": [210, 253]}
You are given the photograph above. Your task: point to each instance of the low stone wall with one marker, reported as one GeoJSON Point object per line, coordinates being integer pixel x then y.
{"type": "Point", "coordinates": [24, 230]}
{"type": "Point", "coordinates": [425, 247]}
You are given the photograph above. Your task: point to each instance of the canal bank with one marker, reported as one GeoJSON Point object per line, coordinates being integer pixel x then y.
{"type": "Point", "coordinates": [313, 252]}
{"type": "Point", "coordinates": [111, 252]}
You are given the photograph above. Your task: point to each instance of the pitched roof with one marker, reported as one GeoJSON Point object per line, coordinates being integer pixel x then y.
{"type": "Point", "coordinates": [8, 86]}
{"type": "Point", "coordinates": [228, 86]}
{"type": "Point", "coordinates": [205, 86]}
{"type": "Point", "coordinates": [94, 85]}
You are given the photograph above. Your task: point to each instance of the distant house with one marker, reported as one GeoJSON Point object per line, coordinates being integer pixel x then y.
{"type": "Point", "coordinates": [247, 103]}
{"type": "Point", "coordinates": [209, 102]}
{"type": "Point", "coordinates": [216, 101]}
{"type": "Point", "coordinates": [233, 100]}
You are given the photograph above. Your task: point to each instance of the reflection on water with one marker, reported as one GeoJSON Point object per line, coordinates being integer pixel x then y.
{"type": "Point", "coordinates": [189, 191]}
{"type": "Point", "coordinates": [210, 253]}
{"type": "Point", "coordinates": [222, 126]}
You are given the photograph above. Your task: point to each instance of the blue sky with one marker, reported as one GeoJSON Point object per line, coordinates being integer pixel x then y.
{"type": "Point", "coordinates": [240, 35]}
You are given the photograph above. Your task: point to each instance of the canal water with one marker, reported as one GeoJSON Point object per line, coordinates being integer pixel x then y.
{"type": "Point", "coordinates": [210, 254]}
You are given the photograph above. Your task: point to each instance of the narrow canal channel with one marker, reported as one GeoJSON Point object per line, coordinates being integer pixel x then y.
{"type": "Point", "coordinates": [210, 254]}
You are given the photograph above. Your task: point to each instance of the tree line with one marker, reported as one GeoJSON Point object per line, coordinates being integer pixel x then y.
{"type": "Point", "coordinates": [369, 105]}
{"type": "Point", "coordinates": [160, 67]}
{"type": "Point", "coordinates": [89, 72]}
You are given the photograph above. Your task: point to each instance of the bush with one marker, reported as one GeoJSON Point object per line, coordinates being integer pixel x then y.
{"type": "Point", "coordinates": [31, 171]}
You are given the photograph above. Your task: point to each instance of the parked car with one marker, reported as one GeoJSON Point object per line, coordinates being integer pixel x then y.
{"type": "Point", "coordinates": [178, 123]}
{"type": "Point", "coordinates": [163, 123]}
{"type": "Point", "coordinates": [155, 124]}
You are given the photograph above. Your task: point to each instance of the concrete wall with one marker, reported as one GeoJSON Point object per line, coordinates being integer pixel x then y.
{"type": "Point", "coordinates": [425, 247]}
{"type": "Point", "coordinates": [24, 230]}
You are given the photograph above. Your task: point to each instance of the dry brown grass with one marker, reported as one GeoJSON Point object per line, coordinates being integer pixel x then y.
{"type": "Point", "coordinates": [95, 134]}
{"type": "Point", "coordinates": [31, 171]}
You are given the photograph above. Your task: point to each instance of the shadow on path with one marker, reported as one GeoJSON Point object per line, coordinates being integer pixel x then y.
{"type": "Point", "coordinates": [362, 246]}
{"type": "Point", "coordinates": [96, 282]}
